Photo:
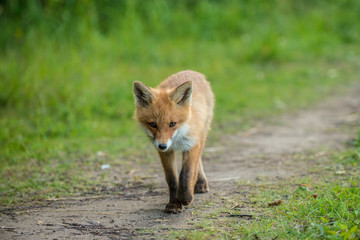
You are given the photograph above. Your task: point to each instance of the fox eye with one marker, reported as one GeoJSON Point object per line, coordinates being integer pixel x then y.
{"type": "Point", "coordinates": [153, 124]}
{"type": "Point", "coordinates": [172, 124]}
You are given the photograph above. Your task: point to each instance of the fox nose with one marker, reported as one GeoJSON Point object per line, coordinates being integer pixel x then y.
{"type": "Point", "coordinates": [162, 146]}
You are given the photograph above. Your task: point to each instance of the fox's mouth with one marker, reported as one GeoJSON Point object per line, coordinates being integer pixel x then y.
{"type": "Point", "coordinates": [160, 150]}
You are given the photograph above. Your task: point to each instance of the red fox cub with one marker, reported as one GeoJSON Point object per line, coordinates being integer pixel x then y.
{"type": "Point", "coordinates": [176, 116]}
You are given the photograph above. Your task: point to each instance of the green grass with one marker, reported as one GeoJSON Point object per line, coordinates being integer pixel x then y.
{"type": "Point", "coordinates": [334, 214]}
{"type": "Point", "coordinates": [67, 72]}
{"type": "Point", "coordinates": [311, 208]}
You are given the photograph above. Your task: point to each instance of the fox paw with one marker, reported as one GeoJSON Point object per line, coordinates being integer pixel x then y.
{"type": "Point", "coordinates": [173, 208]}
{"type": "Point", "coordinates": [201, 187]}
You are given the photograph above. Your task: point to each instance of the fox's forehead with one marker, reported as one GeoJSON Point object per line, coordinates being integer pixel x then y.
{"type": "Point", "coordinates": [163, 110]}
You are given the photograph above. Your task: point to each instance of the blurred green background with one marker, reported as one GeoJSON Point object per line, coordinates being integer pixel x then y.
{"type": "Point", "coordinates": [67, 68]}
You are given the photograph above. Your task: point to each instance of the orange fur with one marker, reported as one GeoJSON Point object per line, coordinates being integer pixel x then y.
{"type": "Point", "coordinates": [186, 99]}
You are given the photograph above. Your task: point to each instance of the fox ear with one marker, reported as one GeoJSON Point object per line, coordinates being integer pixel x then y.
{"type": "Point", "coordinates": [143, 95]}
{"type": "Point", "coordinates": [182, 94]}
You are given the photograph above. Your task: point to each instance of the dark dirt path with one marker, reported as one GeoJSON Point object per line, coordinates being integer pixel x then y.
{"type": "Point", "coordinates": [269, 151]}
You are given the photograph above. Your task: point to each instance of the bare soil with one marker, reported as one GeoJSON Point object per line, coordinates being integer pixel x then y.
{"type": "Point", "coordinates": [269, 151]}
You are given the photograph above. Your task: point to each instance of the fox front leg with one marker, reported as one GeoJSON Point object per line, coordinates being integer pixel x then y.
{"type": "Point", "coordinates": [169, 164]}
{"type": "Point", "coordinates": [188, 175]}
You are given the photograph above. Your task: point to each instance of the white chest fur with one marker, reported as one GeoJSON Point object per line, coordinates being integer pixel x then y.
{"type": "Point", "coordinates": [181, 141]}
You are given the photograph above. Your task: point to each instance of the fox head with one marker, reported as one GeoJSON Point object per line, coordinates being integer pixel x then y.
{"type": "Point", "coordinates": [163, 112]}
